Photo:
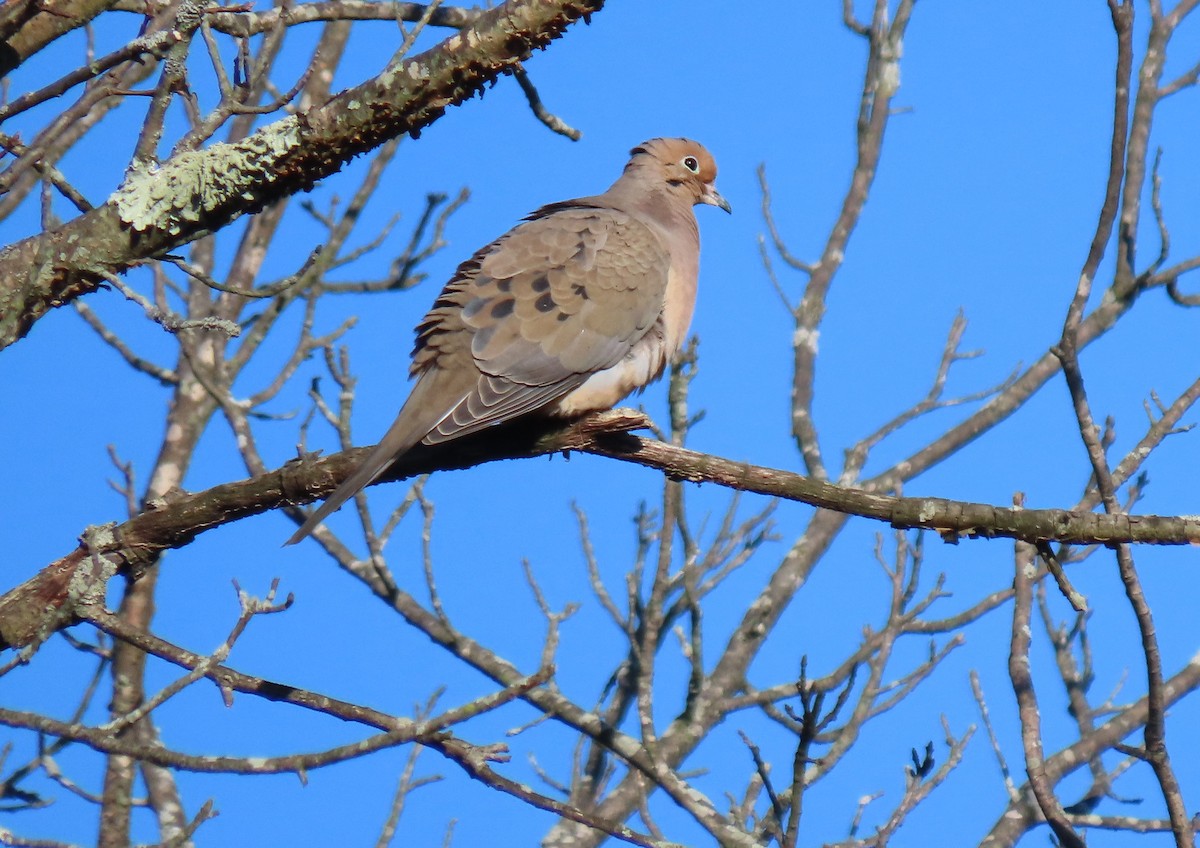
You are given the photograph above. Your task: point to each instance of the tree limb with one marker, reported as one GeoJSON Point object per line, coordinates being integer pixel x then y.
{"type": "Point", "coordinates": [48, 601]}
{"type": "Point", "coordinates": [159, 208]}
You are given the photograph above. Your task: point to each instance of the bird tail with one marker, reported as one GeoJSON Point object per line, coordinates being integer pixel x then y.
{"type": "Point", "coordinates": [375, 463]}
{"type": "Point", "coordinates": [416, 419]}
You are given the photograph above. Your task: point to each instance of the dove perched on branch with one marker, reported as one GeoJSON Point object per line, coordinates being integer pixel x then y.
{"type": "Point", "coordinates": [580, 304]}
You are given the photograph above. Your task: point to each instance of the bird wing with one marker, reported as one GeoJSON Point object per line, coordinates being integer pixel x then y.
{"type": "Point", "coordinates": [560, 297]}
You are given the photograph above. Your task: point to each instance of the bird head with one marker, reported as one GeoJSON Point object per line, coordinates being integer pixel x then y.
{"type": "Point", "coordinates": [684, 165]}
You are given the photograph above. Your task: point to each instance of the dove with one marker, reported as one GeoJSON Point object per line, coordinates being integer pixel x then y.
{"type": "Point", "coordinates": [578, 305]}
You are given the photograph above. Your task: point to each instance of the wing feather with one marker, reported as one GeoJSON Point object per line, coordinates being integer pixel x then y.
{"type": "Point", "coordinates": [564, 295]}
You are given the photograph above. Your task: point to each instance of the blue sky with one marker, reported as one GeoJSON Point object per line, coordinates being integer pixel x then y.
{"type": "Point", "coordinates": [986, 198]}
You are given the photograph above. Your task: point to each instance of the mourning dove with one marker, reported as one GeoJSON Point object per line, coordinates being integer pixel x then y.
{"type": "Point", "coordinates": [566, 313]}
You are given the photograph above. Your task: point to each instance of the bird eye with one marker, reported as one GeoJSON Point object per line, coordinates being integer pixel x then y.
{"type": "Point", "coordinates": [691, 164]}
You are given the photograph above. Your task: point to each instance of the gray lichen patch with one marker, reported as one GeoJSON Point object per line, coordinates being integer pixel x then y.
{"type": "Point", "coordinates": [187, 189]}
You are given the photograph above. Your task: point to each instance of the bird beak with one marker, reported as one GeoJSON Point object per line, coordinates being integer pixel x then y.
{"type": "Point", "coordinates": [713, 198]}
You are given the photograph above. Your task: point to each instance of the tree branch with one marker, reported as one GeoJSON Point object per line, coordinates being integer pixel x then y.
{"type": "Point", "coordinates": [47, 602]}
{"type": "Point", "coordinates": [159, 208]}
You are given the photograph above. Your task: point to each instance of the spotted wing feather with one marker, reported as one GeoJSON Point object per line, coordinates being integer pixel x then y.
{"type": "Point", "coordinates": [560, 297]}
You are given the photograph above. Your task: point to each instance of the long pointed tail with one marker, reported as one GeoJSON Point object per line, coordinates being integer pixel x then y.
{"type": "Point", "coordinates": [426, 405]}
{"type": "Point", "coordinates": [377, 460]}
